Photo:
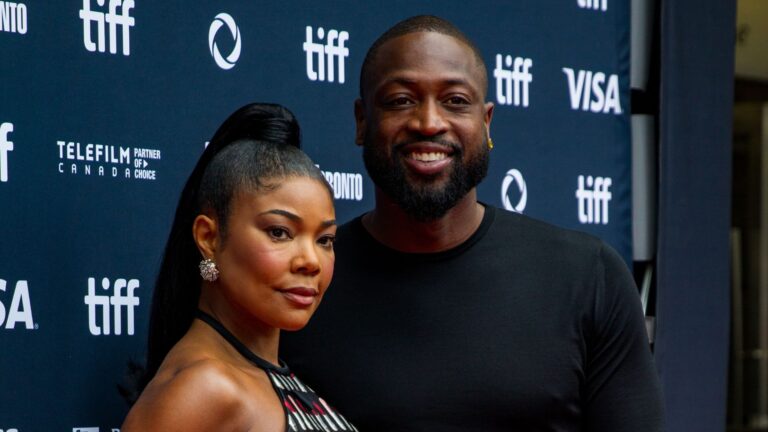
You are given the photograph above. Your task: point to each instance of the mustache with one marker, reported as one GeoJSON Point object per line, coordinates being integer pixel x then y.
{"type": "Point", "coordinates": [432, 139]}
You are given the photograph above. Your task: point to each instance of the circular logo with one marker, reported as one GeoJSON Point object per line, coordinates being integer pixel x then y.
{"type": "Point", "coordinates": [514, 176]}
{"type": "Point", "coordinates": [224, 19]}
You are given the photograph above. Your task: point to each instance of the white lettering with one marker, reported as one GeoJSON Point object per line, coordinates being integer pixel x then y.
{"type": "Point", "coordinates": [114, 18]}
{"type": "Point", "coordinates": [593, 4]}
{"type": "Point", "coordinates": [13, 17]}
{"type": "Point", "coordinates": [519, 75]}
{"type": "Point", "coordinates": [612, 102]}
{"type": "Point", "coordinates": [146, 153]}
{"type": "Point", "coordinates": [20, 309]}
{"type": "Point", "coordinates": [117, 300]}
{"type": "Point", "coordinates": [574, 87]}
{"type": "Point", "coordinates": [94, 152]}
{"type": "Point", "coordinates": [145, 174]}
{"type": "Point", "coordinates": [589, 91]}
{"type": "Point", "coordinates": [597, 89]}
{"type": "Point", "coordinates": [593, 196]}
{"type": "Point", "coordinates": [327, 55]}
{"type": "Point", "coordinates": [21, 18]}
{"type": "Point", "coordinates": [346, 186]}
{"type": "Point", "coordinates": [5, 146]}
{"type": "Point", "coordinates": [125, 155]}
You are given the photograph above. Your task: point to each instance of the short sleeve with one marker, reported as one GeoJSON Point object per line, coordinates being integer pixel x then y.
{"type": "Point", "coordinates": [622, 390]}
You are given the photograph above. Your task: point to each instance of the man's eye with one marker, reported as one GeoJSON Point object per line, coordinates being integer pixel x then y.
{"type": "Point", "coordinates": [457, 100]}
{"type": "Point", "coordinates": [399, 101]}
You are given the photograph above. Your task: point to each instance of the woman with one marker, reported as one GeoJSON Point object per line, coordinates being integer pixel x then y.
{"type": "Point", "coordinates": [256, 218]}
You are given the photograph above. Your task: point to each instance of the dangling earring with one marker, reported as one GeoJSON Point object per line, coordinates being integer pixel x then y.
{"type": "Point", "coordinates": [208, 270]}
{"type": "Point", "coordinates": [488, 135]}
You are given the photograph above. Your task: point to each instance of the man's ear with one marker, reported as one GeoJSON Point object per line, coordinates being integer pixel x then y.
{"type": "Point", "coordinates": [205, 232]}
{"type": "Point", "coordinates": [359, 122]}
{"type": "Point", "coordinates": [487, 116]}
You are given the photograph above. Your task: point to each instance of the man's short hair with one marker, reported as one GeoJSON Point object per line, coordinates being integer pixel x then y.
{"type": "Point", "coordinates": [414, 24]}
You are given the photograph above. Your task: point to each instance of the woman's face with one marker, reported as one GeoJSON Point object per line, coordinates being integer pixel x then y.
{"type": "Point", "coordinates": [277, 258]}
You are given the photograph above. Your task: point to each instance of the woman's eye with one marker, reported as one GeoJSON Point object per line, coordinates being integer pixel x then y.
{"type": "Point", "coordinates": [278, 233]}
{"type": "Point", "coordinates": [327, 241]}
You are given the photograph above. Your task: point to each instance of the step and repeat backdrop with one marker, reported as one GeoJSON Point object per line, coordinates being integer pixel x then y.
{"type": "Point", "coordinates": [105, 106]}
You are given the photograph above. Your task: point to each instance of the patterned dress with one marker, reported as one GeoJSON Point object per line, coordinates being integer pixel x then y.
{"type": "Point", "coordinates": [304, 409]}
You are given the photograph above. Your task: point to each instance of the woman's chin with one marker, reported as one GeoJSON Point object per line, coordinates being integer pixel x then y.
{"type": "Point", "coordinates": [294, 327]}
{"type": "Point", "coordinates": [295, 323]}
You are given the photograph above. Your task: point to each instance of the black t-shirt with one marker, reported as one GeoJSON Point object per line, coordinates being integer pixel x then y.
{"type": "Point", "coordinates": [523, 327]}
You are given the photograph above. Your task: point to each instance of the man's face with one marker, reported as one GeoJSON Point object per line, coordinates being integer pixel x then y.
{"type": "Point", "coordinates": [423, 122]}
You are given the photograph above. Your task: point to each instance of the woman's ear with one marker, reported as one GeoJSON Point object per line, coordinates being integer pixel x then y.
{"type": "Point", "coordinates": [205, 232]}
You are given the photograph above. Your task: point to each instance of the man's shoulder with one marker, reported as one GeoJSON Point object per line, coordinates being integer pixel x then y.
{"type": "Point", "coordinates": [499, 227]}
{"type": "Point", "coordinates": [530, 231]}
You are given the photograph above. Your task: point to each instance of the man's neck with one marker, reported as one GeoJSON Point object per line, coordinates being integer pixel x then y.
{"type": "Point", "coordinates": [391, 226]}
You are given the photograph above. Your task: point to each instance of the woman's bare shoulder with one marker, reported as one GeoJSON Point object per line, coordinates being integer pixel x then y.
{"type": "Point", "coordinates": [203, 394]}
{"type": "Point", "coordinates": [202, 386]}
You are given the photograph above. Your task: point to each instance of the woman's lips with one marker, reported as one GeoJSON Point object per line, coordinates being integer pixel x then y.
{"type": "Point", "coordinates": [301, 296]}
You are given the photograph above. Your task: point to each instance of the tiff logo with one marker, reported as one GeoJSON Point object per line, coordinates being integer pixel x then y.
{"type": "Point", "coordinates": [5, 147]}
{"type": "Point", "coordinates": [519, 74]}
{"type": "Point", "coordinates": [326, 54]}
{"type": "Point", "coordinates": [593, 4]}
{"type": "Point", "coordinates": [593, 197]}
{"type": "Point", "coordinates": [117, 301]}
{"type": "Point", "coordinates": [13, 19]}
{"type": "Point", "coordinates": [123, 19]}
{"type": "Point", "coordinates": [589, 91]}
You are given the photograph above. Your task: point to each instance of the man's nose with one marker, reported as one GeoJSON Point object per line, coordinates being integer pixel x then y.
{"type": "Point", "coordinates": [428, 119]}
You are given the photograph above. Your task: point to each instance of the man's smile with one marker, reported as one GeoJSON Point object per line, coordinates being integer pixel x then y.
{"type": "Point", "coordinates": [428, 157]}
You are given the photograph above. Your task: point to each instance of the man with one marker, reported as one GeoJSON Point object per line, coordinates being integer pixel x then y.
{"type": "Point", "coordinates": [446, 314]}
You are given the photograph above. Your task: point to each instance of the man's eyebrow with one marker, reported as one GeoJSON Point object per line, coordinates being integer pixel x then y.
{"type": "Point", "coordinates": [409, 81]}
{"type": "Point", "coordinates": [295, 217]}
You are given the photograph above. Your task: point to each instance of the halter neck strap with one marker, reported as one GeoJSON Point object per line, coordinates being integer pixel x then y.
{"type": "Point", "coordinates": [239, 346]}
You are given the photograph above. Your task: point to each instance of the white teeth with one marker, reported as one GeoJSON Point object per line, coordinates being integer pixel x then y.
{"type": "Point", "coordinates": [428, 157]}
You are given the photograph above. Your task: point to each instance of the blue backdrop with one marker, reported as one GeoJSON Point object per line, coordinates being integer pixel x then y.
{"type": "Point", "coordinates": [105, 106]}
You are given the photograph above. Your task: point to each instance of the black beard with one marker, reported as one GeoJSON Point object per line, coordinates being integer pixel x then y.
{"type": "Point", "coordinates": [422, 200]}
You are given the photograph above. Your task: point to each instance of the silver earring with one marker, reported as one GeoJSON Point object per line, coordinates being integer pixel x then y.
{"type": "Point", "coordinates": [208, 270]}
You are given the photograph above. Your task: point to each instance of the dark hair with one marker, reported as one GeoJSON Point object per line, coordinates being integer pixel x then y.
{"type": "Point", "coordinates": [414, 24]}
{"type": "Point", "coordinates": [257, 143]}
